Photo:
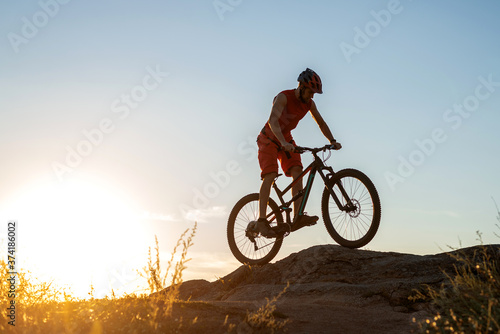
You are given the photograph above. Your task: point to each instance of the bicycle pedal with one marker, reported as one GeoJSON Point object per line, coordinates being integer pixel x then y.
{"type": "Point", "coordinates": [301, 223]}
{"type": "Point", "coordinates": [282, 229]}
{"type": "Point", "coordinates": [312, 223]}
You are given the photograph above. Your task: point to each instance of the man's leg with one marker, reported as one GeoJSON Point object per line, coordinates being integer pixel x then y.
{"type": "Point", "coordinates": [268, 161]}
{"type": "Point", "coordinates": [305, 220]}
{"type": "Point", "coordinates": [295, 172]}
{"type": "Point", "coordinates": [265, 191]}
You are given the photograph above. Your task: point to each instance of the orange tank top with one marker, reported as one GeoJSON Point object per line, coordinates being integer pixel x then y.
{"type": "Point", "coordinates": [293, 112]}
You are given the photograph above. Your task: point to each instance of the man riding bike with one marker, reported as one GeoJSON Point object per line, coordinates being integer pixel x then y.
{"type": "Point", "coordinates": [275, 143]}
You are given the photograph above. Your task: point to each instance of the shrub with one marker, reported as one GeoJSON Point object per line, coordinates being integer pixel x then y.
{"type": "Point", "coordinates": [470, 301]}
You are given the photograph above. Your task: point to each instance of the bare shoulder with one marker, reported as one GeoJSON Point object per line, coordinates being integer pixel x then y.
{"type": "Point", "coordinates": [313, 109]}
{"type": "Point", "coordinates": [313, 105]}
{"type": "Point", "coordinates": [280, 99]}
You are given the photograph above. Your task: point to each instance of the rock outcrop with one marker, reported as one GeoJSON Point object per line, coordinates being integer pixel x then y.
{"type": "Point", "coordinates": [332, 289]}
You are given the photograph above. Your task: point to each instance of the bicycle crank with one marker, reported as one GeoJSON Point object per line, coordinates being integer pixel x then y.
{"type": "Point", "coordinates": [282, 230]}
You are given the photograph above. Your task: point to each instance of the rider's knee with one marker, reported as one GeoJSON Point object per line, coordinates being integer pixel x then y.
{"type": "Point", "coordinates": [295, 171]}
{"type": "Point", "coordinates": [269, 177]}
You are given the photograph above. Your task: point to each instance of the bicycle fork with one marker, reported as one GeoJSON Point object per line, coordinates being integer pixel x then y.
{"type": "Point", "coordinates": [349, 206]}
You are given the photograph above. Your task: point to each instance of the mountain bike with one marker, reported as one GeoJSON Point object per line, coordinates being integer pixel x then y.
{"type": "Point", "coordinates": [350, 207]}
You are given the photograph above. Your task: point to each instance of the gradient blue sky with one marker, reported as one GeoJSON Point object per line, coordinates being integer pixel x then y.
{"type": "Point", "coordinates": [66, 69]}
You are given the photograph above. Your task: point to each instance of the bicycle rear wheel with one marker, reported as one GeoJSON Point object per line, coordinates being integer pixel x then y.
{"type": "Point", "coordinates": [264, 249]}
{"type": "Point", "coordinates": [356, 224]}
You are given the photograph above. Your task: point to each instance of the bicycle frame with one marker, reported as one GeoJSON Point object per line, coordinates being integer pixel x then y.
{"type": "Point", "coordinates": [351, 220]}
{"type": "Point", "coordinates": [317, 166]}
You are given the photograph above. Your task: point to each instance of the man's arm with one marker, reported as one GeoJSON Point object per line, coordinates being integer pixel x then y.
{"type": "Point", "coordinates": [323, 126]}
{"type": "Point", "coordinates": [279, 104]}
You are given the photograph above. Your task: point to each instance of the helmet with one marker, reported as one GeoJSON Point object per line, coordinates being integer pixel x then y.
{"type": "Point", "coordinates": [310, 79]}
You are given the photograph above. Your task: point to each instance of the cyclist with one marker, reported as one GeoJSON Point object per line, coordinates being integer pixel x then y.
{"type": "Point", "coordinates": [275, 143]}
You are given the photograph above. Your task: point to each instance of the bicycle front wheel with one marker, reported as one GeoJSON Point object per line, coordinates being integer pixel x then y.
{"type": "Point", "coordinates": [356, 222]}
{"type": "Point", "coordinates": [263, 250]}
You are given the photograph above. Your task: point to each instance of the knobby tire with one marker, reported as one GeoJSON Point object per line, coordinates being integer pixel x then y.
{"type": "Point", "coordinates": [355, 229]}
{"type": "Point", "coordinates": [245, 211]}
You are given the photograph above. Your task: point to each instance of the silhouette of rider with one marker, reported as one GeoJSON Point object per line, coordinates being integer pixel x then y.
{"type": "Point", "coordinates": [276, 143]}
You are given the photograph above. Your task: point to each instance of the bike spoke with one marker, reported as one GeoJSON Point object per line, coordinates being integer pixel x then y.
{"type": "Point", "coordinates": [351, 225]}
{"type": "Point", "coordinates": [254, 252]}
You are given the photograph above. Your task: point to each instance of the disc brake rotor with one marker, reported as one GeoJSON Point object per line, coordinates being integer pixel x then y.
{"type": "Point", "coordinates": [354, 208]}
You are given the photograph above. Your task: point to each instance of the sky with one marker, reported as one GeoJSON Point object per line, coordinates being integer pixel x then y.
{"type": "Point", "coordinates": [125, 120]}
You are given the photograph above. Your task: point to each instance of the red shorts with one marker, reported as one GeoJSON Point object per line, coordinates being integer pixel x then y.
{"type": "Point", "coordinates": [269, 154]}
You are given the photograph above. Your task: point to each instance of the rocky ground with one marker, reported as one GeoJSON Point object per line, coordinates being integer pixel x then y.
{"type": "Point", "coordinates": [331, 290]}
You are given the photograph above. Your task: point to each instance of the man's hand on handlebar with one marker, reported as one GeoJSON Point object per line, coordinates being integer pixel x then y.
{"type": "Point", "coordinates": [332, 146]}
{"type": "Point", "coordinates": [336, 145]}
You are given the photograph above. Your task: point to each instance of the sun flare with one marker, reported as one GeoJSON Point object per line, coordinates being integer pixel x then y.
{"type": "Point", "coordinates": [79, 234]}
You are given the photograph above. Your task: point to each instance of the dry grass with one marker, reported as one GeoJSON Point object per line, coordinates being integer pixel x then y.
{"type": "Point", "coordinates": [470, 302]}
{"type": "Point", "coordinates": [263, 320]}
{"type": "Point", "coordinates": [43, 308]}
{"type": "Point", "coordinates": [157, 279]}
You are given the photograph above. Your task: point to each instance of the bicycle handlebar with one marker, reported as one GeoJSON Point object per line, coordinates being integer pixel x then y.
{"type": "Point", "coordinates": [301, 149]}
